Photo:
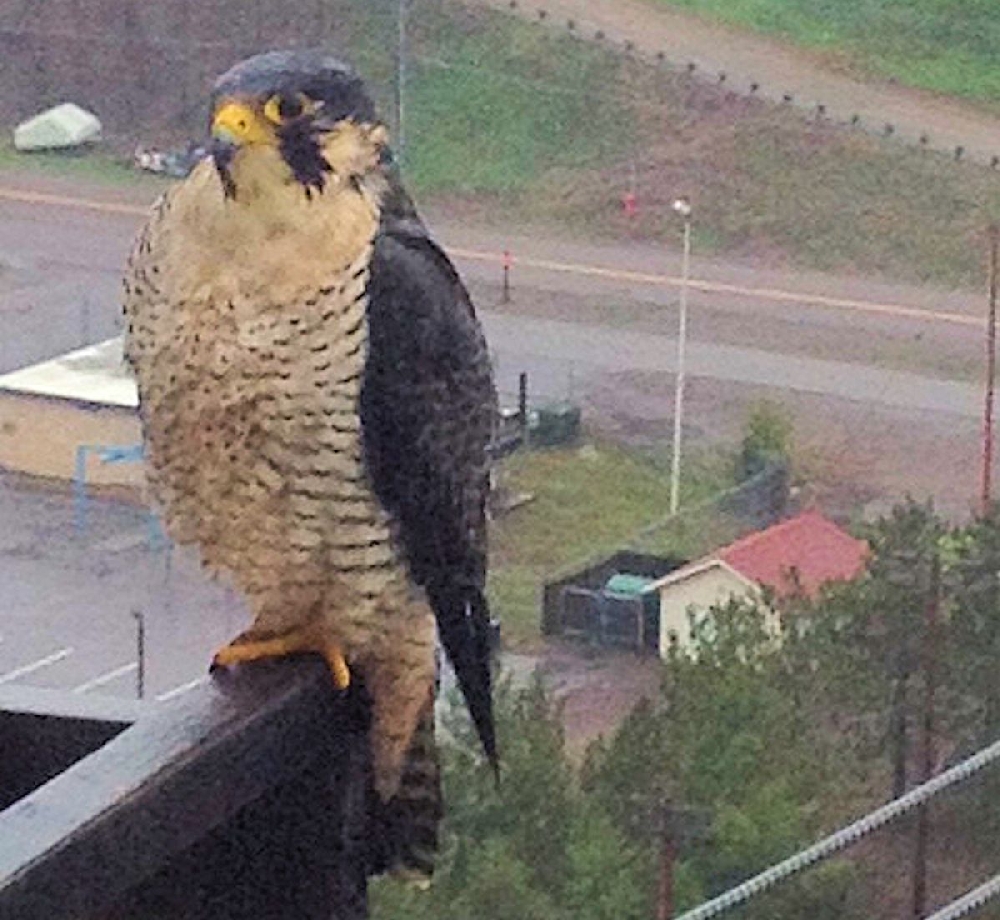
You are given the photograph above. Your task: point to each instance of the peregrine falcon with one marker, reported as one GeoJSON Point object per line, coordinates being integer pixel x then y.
{"type": "Point", "coordinates": [317, 400]}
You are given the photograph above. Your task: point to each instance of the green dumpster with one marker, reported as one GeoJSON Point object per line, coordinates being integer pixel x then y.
{"type": "Point", "coordinates": [625, 585]}
{"type": "Point", "coordinates": [554, 424]}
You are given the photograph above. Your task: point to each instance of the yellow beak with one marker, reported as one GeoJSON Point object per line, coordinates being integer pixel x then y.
{"type": "Point", "coordinates": [237, 124]}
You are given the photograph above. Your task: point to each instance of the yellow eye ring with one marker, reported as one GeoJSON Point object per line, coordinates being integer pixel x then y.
{"type": "Point", "coordinates": [280, 109]}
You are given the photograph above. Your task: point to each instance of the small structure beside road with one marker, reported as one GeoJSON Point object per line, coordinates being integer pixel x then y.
{"type": "Point", "coordinates": [50, 409]}
{"type": "Point", "coordinates": [795, 557]}
{"type": "Point", "coordinates": [75, 418]}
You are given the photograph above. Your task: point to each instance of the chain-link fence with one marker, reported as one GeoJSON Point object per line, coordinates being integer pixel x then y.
{"type": "Point", "coordinates": [578, 600]}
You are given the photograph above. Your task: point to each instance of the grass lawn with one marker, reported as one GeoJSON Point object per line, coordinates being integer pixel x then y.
{"type": "Point", "coordinates": [945, 45]}
{"type": "Point", "coordinates": [588, 500]}
{"type": "Point", "coordinates": [493, 104]}
{"type": "Point", "coordinates": [843, 201]}
{"type": "Point", "coordinates": [90, 165]}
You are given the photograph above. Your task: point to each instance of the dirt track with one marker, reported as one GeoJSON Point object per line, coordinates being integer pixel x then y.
{"type": "Point", "coordinates": [746, 59]}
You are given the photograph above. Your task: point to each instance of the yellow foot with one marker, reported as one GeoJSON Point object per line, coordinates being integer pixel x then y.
{"type": "Point", "coordinates": [242, 650]}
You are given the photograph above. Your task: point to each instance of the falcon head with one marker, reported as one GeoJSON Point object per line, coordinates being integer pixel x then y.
{"type": "Point", "coordinates": [293, 117]}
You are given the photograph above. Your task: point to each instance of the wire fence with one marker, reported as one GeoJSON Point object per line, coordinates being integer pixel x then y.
{"type": "Point", "coordinates": [256, 29]}
{"type": "Point", "coordinates": [171, 47]}
{"type": "Point", "coordinates": [704, 523]}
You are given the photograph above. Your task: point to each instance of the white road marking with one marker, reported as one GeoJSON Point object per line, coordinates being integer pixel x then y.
{"type": "Point", "coordinates": [35, 665]}
{"type": "Point", "coordinates": [182, 689]}
{"type": "Point", "coordinates": [106, 678]}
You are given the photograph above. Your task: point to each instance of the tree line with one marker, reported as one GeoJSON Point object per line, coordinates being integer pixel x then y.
{"type": "Point", "coordinates": [757, 742]}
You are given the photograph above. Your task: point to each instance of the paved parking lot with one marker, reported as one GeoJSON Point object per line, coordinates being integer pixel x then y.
{"type": "Point", "coordinates": [70, 595]}
{"type": "Point", "coordinates": [68, 619]}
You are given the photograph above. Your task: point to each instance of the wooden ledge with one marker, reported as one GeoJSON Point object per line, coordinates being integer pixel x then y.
{"type": "Point", "coordinates": [244, 798]}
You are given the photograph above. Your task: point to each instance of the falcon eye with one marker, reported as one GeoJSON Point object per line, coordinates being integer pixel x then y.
{"type": "Point", "coordinates": [281, 108]}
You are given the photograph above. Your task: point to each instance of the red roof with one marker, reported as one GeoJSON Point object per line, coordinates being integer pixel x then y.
{"type": "Point", "coordinates": [803, 552]}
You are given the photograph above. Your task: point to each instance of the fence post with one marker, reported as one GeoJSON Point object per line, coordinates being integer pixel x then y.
{"type": "Point", "coordinates": [522, 405]}
{"type": "Point", "coordinates": [140, 642]}
{"type": "Point", "coordinates": [80, 488]}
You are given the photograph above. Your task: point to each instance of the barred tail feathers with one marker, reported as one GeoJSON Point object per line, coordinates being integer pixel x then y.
{"type": "Point", "coordinates": [403, 837]}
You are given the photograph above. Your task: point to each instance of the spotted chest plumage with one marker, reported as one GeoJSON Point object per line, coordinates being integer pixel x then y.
{"type": "Point", "coordinates": [317, 404]}
{"type": "Point", "coordinates": [255, 450]}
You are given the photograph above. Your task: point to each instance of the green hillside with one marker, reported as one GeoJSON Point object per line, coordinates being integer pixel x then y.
{"type": "Point", "coordinates": [945, 45]}
{"type": "Point", "coordinates": [529, 123]}
{"type": "Point", "coordinates": [492, 104]}
{"type": "Point", "coordinates": [527, 126]}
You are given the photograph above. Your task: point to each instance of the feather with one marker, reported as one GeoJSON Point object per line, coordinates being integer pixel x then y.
{"type": "Point", "coordinates": [427, 411]}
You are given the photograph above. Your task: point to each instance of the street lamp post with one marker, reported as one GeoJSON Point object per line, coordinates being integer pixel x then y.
{"type": "Point", "coordinates": [682, 207]}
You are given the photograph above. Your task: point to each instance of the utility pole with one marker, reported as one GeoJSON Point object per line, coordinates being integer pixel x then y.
{"type": "Point", "coordinates": [400, 80]}
{"type": "Point", "coordinates": [522, 406]}
{"type": "Point", "coordinates": [927, 740]}
{"type": "Point", "coordinates": [668, 856]}
{"type": "Point", "coordinates": [682, 207]}
{"type": "Point", "coordinates": [323, 19]}
{"type": "Point", "coordinates": [85, 320]}
{"type": "Point", "coordinates": [991, 362]}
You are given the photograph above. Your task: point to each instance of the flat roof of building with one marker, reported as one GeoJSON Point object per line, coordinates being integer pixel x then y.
{"type": "Point", "coordinates": [96, 375]}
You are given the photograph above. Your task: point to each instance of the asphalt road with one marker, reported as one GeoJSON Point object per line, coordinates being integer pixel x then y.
{"type": "Point", "coordinates": [60, 290]}
{"type": "Point", "coordinates": [554, 347]}
{"type": "Point", "coordinates": [67, 598]}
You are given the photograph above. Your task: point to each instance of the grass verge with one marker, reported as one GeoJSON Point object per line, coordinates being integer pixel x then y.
{"type": "Point", "coordinates": [89, 165]}
{"type": "Point", "coordinates": [587, 500]}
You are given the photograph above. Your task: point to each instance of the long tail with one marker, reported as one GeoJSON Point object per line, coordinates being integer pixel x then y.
{"type": "Point", "coordinates": [463, 618]}
{"type": "Point", "coordinates": [403, 837]}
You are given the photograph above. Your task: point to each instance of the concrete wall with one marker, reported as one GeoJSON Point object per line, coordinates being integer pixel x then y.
{"type": "Point", "coordinates": [39, 436]}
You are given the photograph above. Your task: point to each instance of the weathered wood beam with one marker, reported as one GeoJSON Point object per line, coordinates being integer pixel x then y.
{"type": "Point", "coordinates": [244, 799]}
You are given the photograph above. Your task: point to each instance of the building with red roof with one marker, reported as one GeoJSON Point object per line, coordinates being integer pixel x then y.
{"type": "Point", "coordinates": [792, 558]}
{"type": "Point", "coordinates": [797, 556]}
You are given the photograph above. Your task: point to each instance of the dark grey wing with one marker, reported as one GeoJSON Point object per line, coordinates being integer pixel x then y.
{"type": "Point", "coordinates": [427, 412]}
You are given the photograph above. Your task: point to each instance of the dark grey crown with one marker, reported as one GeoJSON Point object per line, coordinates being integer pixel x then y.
{"type": "Point", "coordinates": [319, 75]}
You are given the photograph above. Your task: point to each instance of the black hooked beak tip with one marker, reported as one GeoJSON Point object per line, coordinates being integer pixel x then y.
{"type": "Point", "coordinates": [222, 150]}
